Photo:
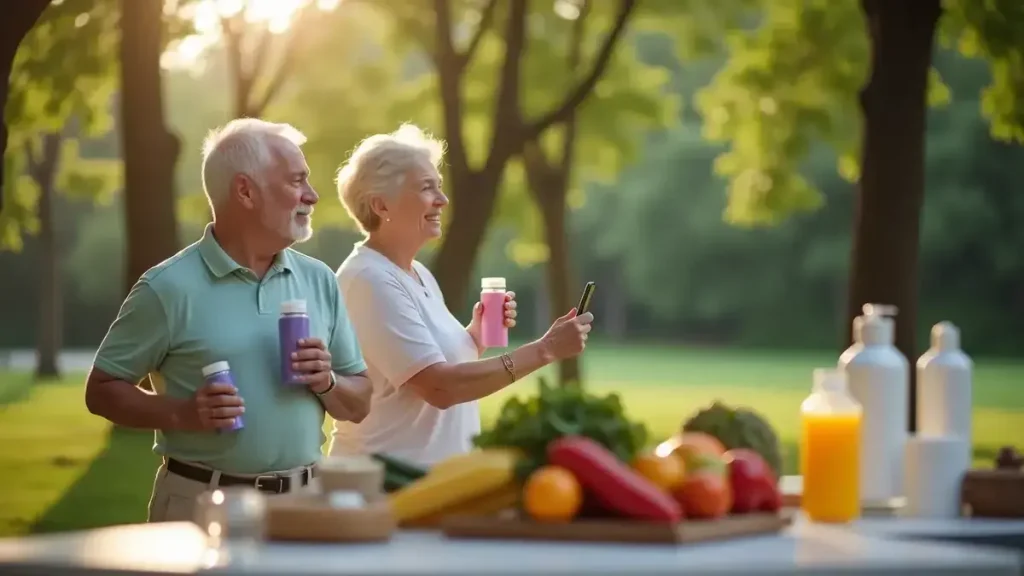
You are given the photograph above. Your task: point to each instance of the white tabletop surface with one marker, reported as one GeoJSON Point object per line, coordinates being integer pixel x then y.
{"type": "Point", "coordinates": [801, 549]}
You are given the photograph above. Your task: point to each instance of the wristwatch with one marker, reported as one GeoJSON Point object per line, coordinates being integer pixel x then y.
{"type": "Point", "coordinates": [329, 388]}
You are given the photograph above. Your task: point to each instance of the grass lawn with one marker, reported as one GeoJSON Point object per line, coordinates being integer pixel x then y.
{"type": "Point", "coordinates": [71, 470]}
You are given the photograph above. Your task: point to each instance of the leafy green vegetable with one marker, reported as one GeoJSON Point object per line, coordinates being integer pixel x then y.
{"type": "Point", "coordinates": [556, 411]}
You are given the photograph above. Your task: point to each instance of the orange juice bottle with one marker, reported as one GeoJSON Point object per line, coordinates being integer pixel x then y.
{"type": "Point", "coordinates": [830, 449]}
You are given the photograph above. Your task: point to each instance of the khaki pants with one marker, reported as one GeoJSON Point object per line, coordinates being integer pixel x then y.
{"type": "Point", "coordinates": [176, 498]}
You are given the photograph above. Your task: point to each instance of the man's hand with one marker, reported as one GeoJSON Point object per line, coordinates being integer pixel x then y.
{"type": "Point", "coordinates": [213, 406]}
{"type": "Point", "coordinates": [314, 362]}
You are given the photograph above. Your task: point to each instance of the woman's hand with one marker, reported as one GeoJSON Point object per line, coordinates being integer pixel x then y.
{"type": "Point", "coordinates": [567, 337]}
{"type": "Point", "coordinates": [478, 315]}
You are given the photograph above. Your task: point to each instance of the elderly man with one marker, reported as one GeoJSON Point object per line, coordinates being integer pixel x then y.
{"type": "Point", "coordinates": [219, 300]}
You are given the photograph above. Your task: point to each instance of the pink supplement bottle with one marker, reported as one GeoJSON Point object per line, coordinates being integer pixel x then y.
{"type": "Point", "coordinates": [493, 331]}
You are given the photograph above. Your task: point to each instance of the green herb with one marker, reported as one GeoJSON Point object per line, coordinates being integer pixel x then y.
{"type": "Point", "coordinates": [558, 411]}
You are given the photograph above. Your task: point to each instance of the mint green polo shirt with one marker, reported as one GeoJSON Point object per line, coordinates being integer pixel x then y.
{"type": "Point", "coordinates": [200, 306]}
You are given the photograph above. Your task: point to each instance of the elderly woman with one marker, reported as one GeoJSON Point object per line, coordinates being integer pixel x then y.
{"type": "Point", "coordinates": [424, 364]}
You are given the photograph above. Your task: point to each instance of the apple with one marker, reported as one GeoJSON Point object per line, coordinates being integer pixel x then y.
{"type": "Point", "coordinates": [773, 501]}
{"type": "Point", "coordinates": [751, 478]}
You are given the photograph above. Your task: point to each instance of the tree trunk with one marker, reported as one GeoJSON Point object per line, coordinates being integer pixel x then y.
{"type": "Point", "coordinates": [559, 274]}
{"type": "Point", "coordinates": [51, 309]}
{"type": "Point", "coordinates": [150, 151]}
{"type": "Point", "coordinates": [472, 209]}
{"type": "Point", "coordinates": [614, 316]}
{"type": "Point", "coordinates": [551, 199]}
{"type": "Point", "coordinates": [886, 230]}
{"type": "Point", "coordinates": [19, 17]}
{"type": "Point", "coordinates": [474, 192]}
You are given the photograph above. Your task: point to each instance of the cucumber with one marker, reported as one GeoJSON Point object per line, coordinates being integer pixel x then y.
{"type": "Point", "coordinates": [394, 482]}
{"type": "Point", "coordinates": [400, 467]}
{"type": "Point", "coordinates": [398, 473]}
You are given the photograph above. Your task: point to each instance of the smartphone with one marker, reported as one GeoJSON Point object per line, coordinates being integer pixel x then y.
{"type": "Point", "coordinates": [584, 304]}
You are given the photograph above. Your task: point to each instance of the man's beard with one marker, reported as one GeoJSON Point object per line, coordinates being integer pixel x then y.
{"type": "Point", "coordinates": [292, 229]}
{"type": "Point", "coordinates": [300, 232]}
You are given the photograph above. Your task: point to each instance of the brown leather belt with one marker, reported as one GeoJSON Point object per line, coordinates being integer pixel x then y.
{"type": "Point", "coordinates": [271, 483]}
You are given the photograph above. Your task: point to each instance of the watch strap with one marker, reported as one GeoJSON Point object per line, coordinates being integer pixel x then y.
{"type": "Point", "coordinates": [334, 383]}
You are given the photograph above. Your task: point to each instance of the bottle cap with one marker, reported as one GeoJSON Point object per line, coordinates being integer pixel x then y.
{"type": "Point", "coordinates": [877, 326]}
{"type": "Point", "coordinates": [293, 307]}
{"type": "Point", "coordinates": [879, 310]}
{"type": "Point", "coordinates": [492, 283]}
{"type": "Point", "coordinates": [945, 336]}
{"type": "Point", "coordinates": [829, 380]}
{"type": "Point", "coordinates": [221, 366]}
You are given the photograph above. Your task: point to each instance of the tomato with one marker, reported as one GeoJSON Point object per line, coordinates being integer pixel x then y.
{"type": "Point", "coordinates": [552, 494]}
{"type": "Point", "coordinates": [705, 495]}
{"type": "Point", "coordinates": [665, 472]}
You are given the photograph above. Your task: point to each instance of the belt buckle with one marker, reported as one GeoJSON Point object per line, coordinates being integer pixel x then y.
{"type": "Point", "coordinates": [266, 484]}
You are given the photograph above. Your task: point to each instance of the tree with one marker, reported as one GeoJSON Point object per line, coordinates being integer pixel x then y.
{"type": "Point", "coordinates": [473, 180]}
{"type": "Point", "coordinates": [794, 78]}
{"type": "Point", "coordinates": [598, 138]}
{"type": "Point", "coordinates": [18, 20]}
{"type": "Point", "coordinates": [256, 83]}
{"type": "Point", "coordinates": [61, 89]}
{"type": "Point", "coordinates": [149, 149]}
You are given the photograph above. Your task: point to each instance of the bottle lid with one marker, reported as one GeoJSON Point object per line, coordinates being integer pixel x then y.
{"type": "Point", "coordinates": [879, 310]}
{"type": "Point", "coordinates": [830, 380]}
{"type": "Point", "coordinates": [492, 283]}
{"type": "Point", "coordinates": [945, 336]}
{"type": "Point", "coordinates": [877, 326]}
{"type": "Point", "coordinates": [293, 307]}
{"type": "Point", "coordinates": [221, 366]}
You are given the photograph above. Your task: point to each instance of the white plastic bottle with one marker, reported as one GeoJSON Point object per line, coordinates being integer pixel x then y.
{"type": "Point", "coordinates": [879, 379]}
{"type": "Point", "coordinates": [944, 386]}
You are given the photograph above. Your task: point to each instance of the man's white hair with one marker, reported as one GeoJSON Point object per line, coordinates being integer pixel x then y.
{"type": "Point", "coordinates": [242, 146]}
{"type": "Point", "coordinates": [378, 166]}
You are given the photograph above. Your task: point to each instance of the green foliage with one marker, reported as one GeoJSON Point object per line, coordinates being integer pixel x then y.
{"type": "Point", "coordinates": [632, 98]}
{"type": "Point", "coordinates": [62, 81]}
{"type": "Point", "coordinates": [65, 68]}
{"type": "Point", "coordinates": [557, 411]}
{"type": "Point", "coordinates": [994, 31]}
{"type": "Point", "coordinates": [381, 65]}
{"type": "Point", "coordinates": [788, 82]}
{"type": "Point", "coordinates": [793, 79]}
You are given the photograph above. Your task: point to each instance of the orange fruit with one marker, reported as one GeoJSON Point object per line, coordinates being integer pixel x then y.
{"type": "Point", "coordinates": [701, 442]}
{"type": "Point", "coordinates": [697, 449]}
{"type": "Point", "coordinates": [665, 472]}
{"type": "Point", "coordinates": [705, 495]}
{"type": "Point", "coordinates": [552, 494]}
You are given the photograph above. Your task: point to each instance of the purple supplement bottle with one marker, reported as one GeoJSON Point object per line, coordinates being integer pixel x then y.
{"type": "Point", "coordinates": [292, 326]}
{"type": "Point", "coordinates": [220, 373]}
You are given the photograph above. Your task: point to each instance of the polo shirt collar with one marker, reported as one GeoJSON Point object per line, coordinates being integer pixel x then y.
{"type": "Point", "coordinates": [221, 264]}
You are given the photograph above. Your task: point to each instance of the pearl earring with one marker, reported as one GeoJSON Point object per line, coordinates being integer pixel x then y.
{"type": "Point", "coordinates": [387, 219]}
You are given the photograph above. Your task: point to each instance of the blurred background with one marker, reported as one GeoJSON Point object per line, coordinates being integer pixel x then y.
{"type": "Point", "coordinates": [737, 176]}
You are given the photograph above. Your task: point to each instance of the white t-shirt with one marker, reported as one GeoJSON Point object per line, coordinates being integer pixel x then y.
{"type": "Point", "coordinates": [403, 327]}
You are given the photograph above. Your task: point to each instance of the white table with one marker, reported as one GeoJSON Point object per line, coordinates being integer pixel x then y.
{"type": "Point", "coordinates": [160, 549]}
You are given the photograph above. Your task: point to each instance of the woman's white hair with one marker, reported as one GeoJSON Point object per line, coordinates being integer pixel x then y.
{"type": "Point", "coordinates": [242, 146]}
{"type": "Point", "coordinates": [378, 166]}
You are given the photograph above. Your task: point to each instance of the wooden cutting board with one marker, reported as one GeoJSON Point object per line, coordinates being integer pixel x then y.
{"type": "Point", "coordinates": [513, 527]}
